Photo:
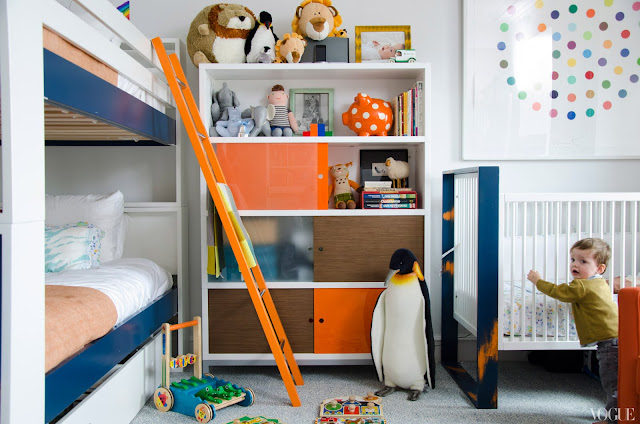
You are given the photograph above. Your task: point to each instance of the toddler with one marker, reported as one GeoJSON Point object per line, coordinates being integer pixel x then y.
{"type": "Point", "coordinates": [595, 313]}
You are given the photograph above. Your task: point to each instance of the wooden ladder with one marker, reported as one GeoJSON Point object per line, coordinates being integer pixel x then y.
{"type": "Point", "coordinates": [210, 166]}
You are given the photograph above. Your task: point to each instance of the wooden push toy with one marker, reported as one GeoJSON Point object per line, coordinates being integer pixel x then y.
{"type": "Point", "coordinates": [352, 409]}
{"type": "Point", "coordinates": [200, 395]}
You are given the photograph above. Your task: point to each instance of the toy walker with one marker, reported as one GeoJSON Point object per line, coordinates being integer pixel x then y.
{"type": "Point", "coordinates": [200, 395]}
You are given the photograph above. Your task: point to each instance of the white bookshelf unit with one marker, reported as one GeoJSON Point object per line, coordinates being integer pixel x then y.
{"type": "Point", "coordinates": [325, 267]}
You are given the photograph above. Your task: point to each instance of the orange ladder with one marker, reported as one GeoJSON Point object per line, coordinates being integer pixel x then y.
{"type": "Point", "coordinates": [210, 166]}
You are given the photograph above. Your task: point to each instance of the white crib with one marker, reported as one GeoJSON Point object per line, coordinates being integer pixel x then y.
{"type": "Point", "coordinates": [534, 231]}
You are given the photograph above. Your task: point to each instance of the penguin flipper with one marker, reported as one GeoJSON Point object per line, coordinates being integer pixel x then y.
{"type": "Point", "coordinates": [377, 334]}
{"type": "Point", "coordinates": [429, 342]}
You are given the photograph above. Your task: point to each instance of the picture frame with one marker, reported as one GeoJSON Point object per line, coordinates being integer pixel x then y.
{"type": "Point", "coordinates": [371, 162]}
{"type": "Point", "coordinates": [312, 105]}
{"type": "Point", "coordinates": [379, 43]}
{"type": "Point", "coordinates": [568, 97]}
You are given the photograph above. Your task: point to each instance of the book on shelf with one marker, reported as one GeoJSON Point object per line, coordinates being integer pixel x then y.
{"type": "Point", "coordinates": [389, 206]}
{"type": "Point", "coordinates": [408, 111]}
{"type": "Point", "coordinates": [388, 190]}
{"type": "Point", "coordinates": [377, 184]}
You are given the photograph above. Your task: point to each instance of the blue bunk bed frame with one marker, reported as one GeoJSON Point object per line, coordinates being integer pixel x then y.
{"type": "Point", "coordinates": [66, 85]}
{"type": "Point", "coordinates": [483, 393]}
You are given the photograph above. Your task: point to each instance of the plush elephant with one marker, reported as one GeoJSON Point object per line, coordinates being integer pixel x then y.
{"type": "Point", "coordinates": [222, 101]}
{"type": "Point", "coordinates": [261, 118]}
{"type": "Point", "coordinates": [232, 126]}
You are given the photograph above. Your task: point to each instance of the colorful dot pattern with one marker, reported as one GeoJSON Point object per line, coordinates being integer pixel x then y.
{"type": "Point", "coordinates": [595, 60]}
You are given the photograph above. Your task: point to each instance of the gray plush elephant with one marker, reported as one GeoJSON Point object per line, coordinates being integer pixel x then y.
{"type": "Point", "coordinates": [222, 101]}
{"type": "Point", "coordinates": [261, 117]}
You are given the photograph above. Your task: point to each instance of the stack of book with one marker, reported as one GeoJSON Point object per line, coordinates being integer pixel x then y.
{"type": "Point", "coordinates": [383, 196]}
{"type": "Point", "coordinates": [408, 111]}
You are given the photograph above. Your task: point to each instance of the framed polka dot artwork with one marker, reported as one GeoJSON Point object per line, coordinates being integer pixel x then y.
{"type": "Point", "coordinates": [551, 79]}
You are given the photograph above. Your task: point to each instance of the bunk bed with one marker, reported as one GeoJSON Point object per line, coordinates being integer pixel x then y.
{"type": "Point", "coordinates": [99, 92]}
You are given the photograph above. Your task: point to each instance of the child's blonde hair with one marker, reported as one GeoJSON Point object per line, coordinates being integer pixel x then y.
{"type": "Point", "coordinates": [600, 249]}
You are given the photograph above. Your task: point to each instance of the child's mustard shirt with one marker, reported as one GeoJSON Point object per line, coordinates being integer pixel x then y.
{"type": "Point", "coordinates": [595, 313]}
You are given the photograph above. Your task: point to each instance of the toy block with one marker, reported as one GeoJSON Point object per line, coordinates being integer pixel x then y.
{"type": "Point", "coordinates": [306, 133]}
{"type": "Point", "coordinates": [328, 133]}
{"type": "Point", "coordinates": [321, 130]}
{"type": "Point", "coordinates": [313, 130]}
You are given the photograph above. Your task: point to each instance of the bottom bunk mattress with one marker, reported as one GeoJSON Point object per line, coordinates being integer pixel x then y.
{"type": "Point", "coordinates": [83, 305]}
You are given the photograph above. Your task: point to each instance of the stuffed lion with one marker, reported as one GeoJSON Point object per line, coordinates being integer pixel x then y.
{"type": "Point", "coordinates": [290, 48]}
{"type": "Point", "coordinates": [317, 20]}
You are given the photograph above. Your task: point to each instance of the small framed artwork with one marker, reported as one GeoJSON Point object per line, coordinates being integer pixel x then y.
{"type": "Point", "coordinates": [379, 43]}
{"type": "Point", "coordinates": [372, 163]}
{"type": "Point", "coordinates": [312, 106]}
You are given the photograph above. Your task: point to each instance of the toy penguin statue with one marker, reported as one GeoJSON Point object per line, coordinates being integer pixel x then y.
{"type": "Point", "coordinates": [402, 342]}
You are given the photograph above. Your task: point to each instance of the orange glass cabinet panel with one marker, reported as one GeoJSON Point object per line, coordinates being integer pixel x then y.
{"type": "Point", "coordinates": [276, 176]}
{"type": "Point", "coordinates": [342, 320]}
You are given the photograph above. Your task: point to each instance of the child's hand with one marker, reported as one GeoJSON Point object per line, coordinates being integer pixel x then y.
{"type": "Point", "coordinates": [533, 276]}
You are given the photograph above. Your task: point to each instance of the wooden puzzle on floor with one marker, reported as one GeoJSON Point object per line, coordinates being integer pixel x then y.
{"type": "Point", "coordinates": [352, 409]}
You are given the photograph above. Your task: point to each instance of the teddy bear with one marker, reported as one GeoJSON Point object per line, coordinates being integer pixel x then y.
{"type": "Point", "coordinates": [342, 186]}
{"type": "Point", "coordinates": [218, 33]}
{"type": "Point", "coordinates": [317, 20]}
{"type": "Point", "coordinates": [260, 46]}
{"type": "Point", "coordinates": [290, 48]}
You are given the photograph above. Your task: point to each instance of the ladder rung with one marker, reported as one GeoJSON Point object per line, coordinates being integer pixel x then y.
{"type": "Point", "coordinates": [262, 292]}
{"type": "Point", "coordinates": [202, 137]}
{"type": "Point", "coordinates": [180, 82]}
{"type": "Point", "coordinates": [282, 342]}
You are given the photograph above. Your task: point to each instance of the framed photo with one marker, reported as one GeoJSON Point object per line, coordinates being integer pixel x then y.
{"type": "Point", "coordinates": [379, 43]}
{"type": "Point", "coordinates": [372, 167]}
{"type": "Point", "coordinates": [312, 106]}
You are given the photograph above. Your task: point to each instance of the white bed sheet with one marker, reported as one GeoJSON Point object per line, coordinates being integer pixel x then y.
{"type": "Point", "coordinates": [131, 283]}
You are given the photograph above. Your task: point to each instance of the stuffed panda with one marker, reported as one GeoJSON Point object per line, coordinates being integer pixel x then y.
{"type": "Point", "coordinates": [261, 43]}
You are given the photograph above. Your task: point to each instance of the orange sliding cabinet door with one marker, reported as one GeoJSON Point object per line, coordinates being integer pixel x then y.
{"type": "Point", "coordinates": [276, 176]}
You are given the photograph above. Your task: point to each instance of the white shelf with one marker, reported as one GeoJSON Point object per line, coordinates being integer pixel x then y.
{"type": "Point", "coordinates": [335, 212]}
{"type": "Point", "coordinates": [316, 71]}
{"type": "Point", "coordinates": [353, 141]}
{"type": "Point", "coordinates": [300, 285]}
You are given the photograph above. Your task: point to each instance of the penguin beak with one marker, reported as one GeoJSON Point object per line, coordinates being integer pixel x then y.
{"type": "Point", "coordinates": [390, 275]}
{"type": "Point", "coordinates": [416, 269]}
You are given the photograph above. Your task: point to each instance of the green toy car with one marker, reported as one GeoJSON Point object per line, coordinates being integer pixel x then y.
{"type": "Point", "coordinates": [404, 56]}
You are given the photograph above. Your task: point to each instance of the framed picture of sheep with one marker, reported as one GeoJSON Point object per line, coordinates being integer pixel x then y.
{"type": "Point", "coordinates": [372, 164]}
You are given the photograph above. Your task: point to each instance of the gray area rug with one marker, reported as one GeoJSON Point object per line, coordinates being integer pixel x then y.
{"type": "Point", "coordinates": [526, 394]}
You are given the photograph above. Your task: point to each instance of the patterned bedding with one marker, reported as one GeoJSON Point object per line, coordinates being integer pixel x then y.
{"type": "Point", "coordinates": [512, 315]}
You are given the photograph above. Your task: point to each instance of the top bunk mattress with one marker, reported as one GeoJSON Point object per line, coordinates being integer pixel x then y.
{"type": "Point", "coordinates": [130, 283]}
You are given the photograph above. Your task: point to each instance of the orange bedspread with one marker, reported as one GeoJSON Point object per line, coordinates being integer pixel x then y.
{"type": "Point", "coordinates": [74, 316]}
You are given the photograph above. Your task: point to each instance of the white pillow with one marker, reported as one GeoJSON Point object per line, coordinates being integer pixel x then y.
{"type": "Point", "coordinates": [102, 210]}
{"type": "Point", "coordinates": [72, 246]}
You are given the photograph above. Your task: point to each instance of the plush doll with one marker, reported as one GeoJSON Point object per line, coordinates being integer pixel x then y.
{"type": "Point", "coordinates": [317, 20]}
{"type": "Point", "coordinates": [342, 186]}
{"type": "Point", "coordinates": [222, 101]}
{"type": "Point", "coordinates": [235, 124]}
{"type": "Point", "coordinates": [260, 46]}
{"type": "Point", "coordinates": [218, 34]}
{"type": "Point", "coordinates": [290, 48]}
{"type": "Point", "coordinates": [283, 122]}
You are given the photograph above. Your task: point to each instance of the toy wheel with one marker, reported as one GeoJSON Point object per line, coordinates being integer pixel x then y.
{"type": "Point", "coordinates": [203, 413]}
{"type": "Point", "coordinates": [163, 399]}
{"type": "Point", "coordinates": [249, 398]}
{"type": "Point", "coordinates": [412, 60]}
{"type": "Point", "coordinates": [392, 60]}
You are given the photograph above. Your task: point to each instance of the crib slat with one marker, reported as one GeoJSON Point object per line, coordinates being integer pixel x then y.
{"type": "Point", "coordinates": [623, 235]}
{"type": "Point", "coordinates": [523, 315]}
{"type": "Point", "coordinates": [514, 213]}
{"type": "Point", "coordinates": [612, 217]}
{"type": "Point", "coordinates": [634, 232]}
{"type": "Point", "coordinates": [544, 264]}
{"type": "Point", "coordinates": [534, 331]}
{"type": "Point", "coordinates": [567, 270]}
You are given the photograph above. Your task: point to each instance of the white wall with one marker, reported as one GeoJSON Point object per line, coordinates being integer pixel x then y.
{"type": "Point", "coordinates": [436, 33]}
